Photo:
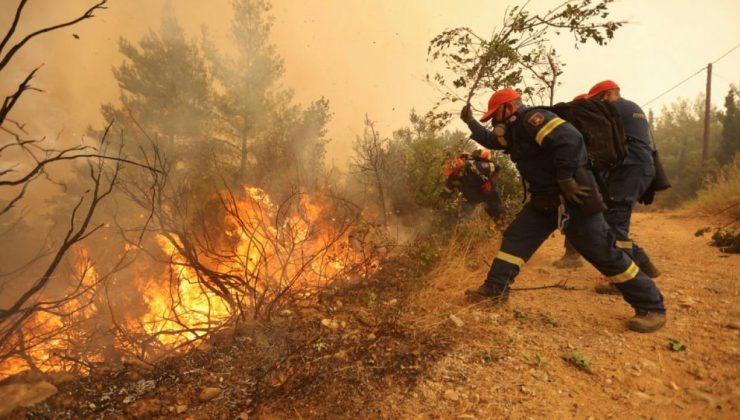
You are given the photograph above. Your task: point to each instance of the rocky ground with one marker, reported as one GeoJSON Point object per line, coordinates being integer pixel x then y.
{"type": "Point", "coordinates": [407, 345]}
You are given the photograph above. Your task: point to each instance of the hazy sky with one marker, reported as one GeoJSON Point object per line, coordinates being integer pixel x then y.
{"type": "Point", "coordinates": [370, 56]}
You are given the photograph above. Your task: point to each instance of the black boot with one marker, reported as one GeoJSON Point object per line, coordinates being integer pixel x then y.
{"type": "Point", "coordinates": [607, 289]}
{"type": "Point", "coordinates": [646, 322]}
{"type": "Point", "coordinates": [650, 269]}
{"type": "Point", "coordinates": [569, 261]}
{"type": "Point", "coordinates": [486, 291]}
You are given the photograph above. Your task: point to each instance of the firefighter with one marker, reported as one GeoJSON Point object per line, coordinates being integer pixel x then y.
{"type": "Point", "coordinates": [474, 176]}
{"type": "Point", "coordinates": [551, 156]}
{"type": "Point", "coordinates": [571, 258]}
{"type": "Point", "coordinates": [627, 183]}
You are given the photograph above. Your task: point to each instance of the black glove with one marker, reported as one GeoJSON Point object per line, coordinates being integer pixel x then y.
{"type": "Point", "coordinates": [574, 192]}
{"type": "Point", "coordinates": [647, 197]}
{"type": "Point", "coordinates": [466, 114]}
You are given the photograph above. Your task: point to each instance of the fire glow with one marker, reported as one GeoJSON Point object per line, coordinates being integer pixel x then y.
{"type": "Point", "coordinates": [264, 255]}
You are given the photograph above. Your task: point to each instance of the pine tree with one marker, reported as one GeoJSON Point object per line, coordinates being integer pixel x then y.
{"type": "Point", "coordinates": [729, 144]}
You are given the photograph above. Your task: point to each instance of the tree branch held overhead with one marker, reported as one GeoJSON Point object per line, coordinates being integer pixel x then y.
{"type": "Point", "coordinates": [518, 53]}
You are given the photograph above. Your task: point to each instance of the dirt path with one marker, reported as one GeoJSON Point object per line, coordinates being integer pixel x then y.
{"type": "Point", "coordinates": [508, 361]}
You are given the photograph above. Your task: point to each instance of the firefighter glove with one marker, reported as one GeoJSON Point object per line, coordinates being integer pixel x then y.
{"type": "Point", "coordinates": [466, 114]}
{"type": "Point", "coordinates": [574, 192]}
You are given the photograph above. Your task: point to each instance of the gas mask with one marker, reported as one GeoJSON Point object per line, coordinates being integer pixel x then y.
{"type": "Point", "coordinates": [500, 128]}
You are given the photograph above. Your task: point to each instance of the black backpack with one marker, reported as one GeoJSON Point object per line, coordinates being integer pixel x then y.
{"type": "Point", "coordinates": [601, 127]}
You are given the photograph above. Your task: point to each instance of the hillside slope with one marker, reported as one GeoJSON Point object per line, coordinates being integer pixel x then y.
{"type": "Point", "coordinates": [389, 348]}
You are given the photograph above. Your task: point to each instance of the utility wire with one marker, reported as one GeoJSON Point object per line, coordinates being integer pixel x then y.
{"type": "Point", "coordinates": [692, 75]}
{"type": "Point", "coordinates": [725, 54]}
{"type": "Point", "coordinates": [673, 87]}
{"type": "Point", "coordinates": [717, 75]}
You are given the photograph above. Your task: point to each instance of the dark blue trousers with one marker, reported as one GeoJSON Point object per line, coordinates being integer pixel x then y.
{"type": "Point", "coordinates": [593, 239]}
{"type": "Point", "coordinates": [625, 185]}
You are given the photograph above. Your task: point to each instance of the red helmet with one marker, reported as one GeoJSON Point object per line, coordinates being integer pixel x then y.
{"type": "Point", "coordinates": [453, 166]}
{"type": "Point", "coordinates": [499, 98]}
{"type": "Point", "coordinates": [581, 96]}
{"type": "Point", "coordinates": [602, 87]}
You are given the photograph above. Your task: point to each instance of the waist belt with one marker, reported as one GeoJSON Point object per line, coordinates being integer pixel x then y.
{"type": "Point", "coordinates": [546, 202]}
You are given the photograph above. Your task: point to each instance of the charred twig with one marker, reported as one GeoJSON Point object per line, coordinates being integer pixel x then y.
{"type": "Point", "coordinates": [559, 285]}
{"type": "Point", "coordinates": [15, 48]}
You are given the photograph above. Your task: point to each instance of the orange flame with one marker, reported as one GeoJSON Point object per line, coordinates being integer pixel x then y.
{"type": "Point", "coordinates": [262, 252]}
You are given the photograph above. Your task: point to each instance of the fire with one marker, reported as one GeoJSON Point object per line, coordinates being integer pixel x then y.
{"type": "Point", "coordinates": [52, 332]}
{"type": "Point", "coordinates": [249, 257]}
{"type": "Point", "coordinates": [260, 254]}
{"type": "Point", "coordinates": [176, 317]}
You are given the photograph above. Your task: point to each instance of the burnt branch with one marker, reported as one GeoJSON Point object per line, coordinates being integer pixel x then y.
{"type": "Point", "coordinates": [11, 100]}
{"type": "Point", "coordinates": [13, 25]}
{"type": "Point", "coordinates": [4, 60]}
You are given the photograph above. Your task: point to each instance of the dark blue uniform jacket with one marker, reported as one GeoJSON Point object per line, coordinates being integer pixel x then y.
{"type": "Point", "coordinates": [637, 129]}
{"type": "Point", "coordinates": [544, 147]}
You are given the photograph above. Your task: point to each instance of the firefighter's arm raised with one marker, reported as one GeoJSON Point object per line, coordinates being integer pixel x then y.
{"type": "Point", "coordinates": [480, 134]}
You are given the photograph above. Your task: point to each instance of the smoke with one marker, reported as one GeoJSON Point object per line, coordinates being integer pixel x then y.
{"type": "Point", "coordinates": [356, 55]}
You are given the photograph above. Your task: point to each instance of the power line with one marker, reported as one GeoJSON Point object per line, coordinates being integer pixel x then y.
{"type": "Point", "coordinates": [673, 87]}
{"type": "Point", "coordinates": [725, 54]}
{"type": "Point", "coordinates": [692, 75]}
{"type": "Point", "coordinates": [715, 74]}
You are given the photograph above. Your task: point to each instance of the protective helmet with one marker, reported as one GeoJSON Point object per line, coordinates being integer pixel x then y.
{"type": "Point", "coordinates": [499, 98]}
{"type": "Point", "coordinates": [453, 166]}
{"type": "Point", "coordinates": [602, 86]}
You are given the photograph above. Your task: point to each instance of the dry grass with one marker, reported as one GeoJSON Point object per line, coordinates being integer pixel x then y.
{"type": "Point", "coordinates": [721, 195]}
{"type": "Point", "coordinates": [462, 265]}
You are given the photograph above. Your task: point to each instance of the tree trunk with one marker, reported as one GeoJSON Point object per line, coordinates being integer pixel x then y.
{"type": "Point", "coordinates": [381, 198]}
{"type": "Point", "coordinates": [241, 175]}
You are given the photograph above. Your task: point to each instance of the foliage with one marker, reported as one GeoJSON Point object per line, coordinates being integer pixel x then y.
{"type": "Point", "coordinates": [518, 53]}
{"type": "Point", "coordinates": [256, 115]}
{"type": "Point", "coordinates": [678, 133]}
{"type": "Point", "coordinates": [547, 319]}
{"type": "Point", "coordinates": [421, 149]}
{"type": "Point", "coordinates": [676, 345]}
{"type": "Point", "coordinates": [729, 145]}
{"type": "Point", "coordinates": [406, 171]}
{"type": "Point", "coordinates": [719, 195]}
{"type": "Point", "coordinates": [727, 239]}
{"type": "Point", "coordinates": [220, 118]}
{"type": "Point", "coordinates": [370, 161]}
{"type": "Point", "coordinates": [538, 361]}
{"type": "Point", "coordinates": [167, 99]}
{"type": "Point", "coordinates": [247, 81]}
{"type": "Point", "coordinates": [289, 154]}
{"type": "Point", "coordinates": [579, 361]}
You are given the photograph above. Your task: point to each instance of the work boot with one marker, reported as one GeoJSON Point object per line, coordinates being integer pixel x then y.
{"type": "Point", "coordinates": [607, 289]}
{"type": "Point", "coordinates": [646, 322]}
{"type": "Point", "coordinates": [650, 269]}
{"type": "Point", "coordinates": [496, 294]}
{"type": "Point", "coordinates": [569, 261]}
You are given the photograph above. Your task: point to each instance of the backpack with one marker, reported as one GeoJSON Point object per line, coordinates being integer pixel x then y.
{"type": "Point", "coordinates": [601, 127]}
